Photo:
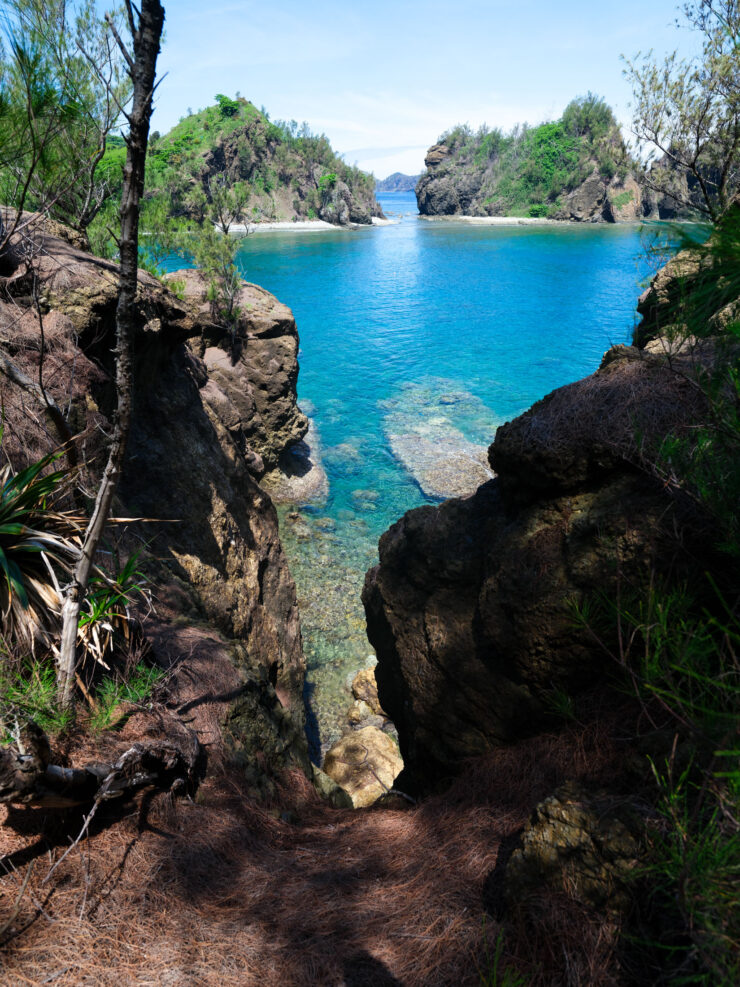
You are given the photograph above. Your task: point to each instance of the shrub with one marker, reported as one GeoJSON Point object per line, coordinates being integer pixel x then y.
{"type": "Point", "coordinates": [227, 107]}
{"type": "Point", "coordinates": [588, 116]}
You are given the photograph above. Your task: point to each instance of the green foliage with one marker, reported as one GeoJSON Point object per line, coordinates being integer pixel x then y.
{"type": "Point", "coordinates": [105, 620]}
{"type": "Point", "coordinates": [623, 199]}
{"type": "Point", "coordinates": [686, 111]}
{"type": "Point", "coordinates": [37, 541]}
{"type": "Point", "coordinates": [29, 692]}
{"type": "Point", "coordinates": [498, 973]}
{"type": "Point", "coordinates": [705, 465]}
{"type": "Point", "coordinates": [588, 116]}
{"type": "Point", "coordinates": [135, 688]}
{"type": "Point", "coordinates": [327, 182]}
{"type": "Point", "coordinates": [226, 107]}
{"type": "Point", "coordinates": [62, 83]}
{"type": "Point", "coordinates": [689, 663]}
{"type": "Point", "coordinates": [214, 253]}
{"type": "Point", "coordinates": [697, 855]}
{"type": "Point", "coordinates": [680, 643]}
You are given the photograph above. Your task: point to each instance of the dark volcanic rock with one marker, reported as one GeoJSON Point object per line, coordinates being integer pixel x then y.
{"type": "Point", "coordinates": [470, 610]}
{"type": "Point", "coordinates": [437, 197]}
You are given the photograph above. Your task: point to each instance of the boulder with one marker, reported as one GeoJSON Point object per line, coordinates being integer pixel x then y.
{"type": "Point", "coordinates": [470, 610]}
{"type": "Point", "coordinates": [586, 203]}
{"type": "Point", "coordinates": [625, 201]}
{"type": "Point", "coordinates": [436, 155]}
{"type": "Point", "coordinates": [437, 196]}
{"type": "Point", "coordinates": [365, 763]}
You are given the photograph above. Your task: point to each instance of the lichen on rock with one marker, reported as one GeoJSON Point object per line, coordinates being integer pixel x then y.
{"type": "Point", "coordinates": [585, 843]}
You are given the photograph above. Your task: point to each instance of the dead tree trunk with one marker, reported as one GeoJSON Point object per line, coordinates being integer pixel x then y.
{"type": "Point", "coordinates": [142, 63]}
{"type": "Point", "coordinates": [28, 778]}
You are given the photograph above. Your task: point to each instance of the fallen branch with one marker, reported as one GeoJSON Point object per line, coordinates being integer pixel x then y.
{"type": "Point", "coordinates": [27, 777]}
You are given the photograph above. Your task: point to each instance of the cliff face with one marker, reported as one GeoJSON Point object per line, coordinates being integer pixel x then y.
{"type": "Point", "coordinates": [471, 607]}
{"type": "Point", "coordinates": [281, 172]}
{"type": "Point", "coordinates": [558, 170]}
{"type": "Point", "coordinates": [204, 428]}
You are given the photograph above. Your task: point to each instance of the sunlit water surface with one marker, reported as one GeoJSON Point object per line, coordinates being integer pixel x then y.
{"type": "Point", "coordinates": [426, 321]}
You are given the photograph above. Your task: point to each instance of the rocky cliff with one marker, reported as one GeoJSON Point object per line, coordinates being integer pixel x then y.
{"type": "Point", "coordinates": [281, 172]}
{"type": "Point", "coordinates": [577, 168]}
{"type": "Point", "coordinates": [211, 413]}
{"type": "Point", "coordinates": [471, 609]}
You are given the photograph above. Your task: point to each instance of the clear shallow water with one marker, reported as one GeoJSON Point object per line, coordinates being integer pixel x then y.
{"type": "Point", "coordinates": [429, 320]}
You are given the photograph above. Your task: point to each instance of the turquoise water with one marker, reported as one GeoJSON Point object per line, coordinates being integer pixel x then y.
{"type": "Point", "coordinates": [448, 322]}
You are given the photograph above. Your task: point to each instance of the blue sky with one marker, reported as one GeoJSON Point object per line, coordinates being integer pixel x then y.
{"type": "Point", "coordinates": [383, 80]}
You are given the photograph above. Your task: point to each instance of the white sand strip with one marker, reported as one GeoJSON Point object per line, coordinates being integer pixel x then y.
{"type": "Point", "coordinates": [502, 220]}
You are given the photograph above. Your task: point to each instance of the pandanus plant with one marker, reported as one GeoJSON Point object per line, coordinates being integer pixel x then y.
{"type": "Point", "coordinates": [38, 544]}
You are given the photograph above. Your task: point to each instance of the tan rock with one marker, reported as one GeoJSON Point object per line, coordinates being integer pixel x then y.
{"type": "Point", "coordinates": [365, 763]}
{"type": "Point", "coordinates": [436, 154]}
{"type": "Point", "coordinates": [184, 460]}
{"type": "Point", "coordinates": [365, 689]}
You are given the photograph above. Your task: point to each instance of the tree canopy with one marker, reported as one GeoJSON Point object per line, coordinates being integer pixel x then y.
{"type": "Point", "coordinates": [686, 112]}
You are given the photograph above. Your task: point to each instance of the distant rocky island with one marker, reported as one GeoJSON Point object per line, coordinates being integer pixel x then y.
{"type": "Point", "coordinates": [577, 168]}
{"type": "Point", "coordinates": [397, 182]}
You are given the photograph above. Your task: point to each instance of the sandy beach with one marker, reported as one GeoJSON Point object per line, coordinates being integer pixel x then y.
{"type": "Point", "coordinates": [499, 220]}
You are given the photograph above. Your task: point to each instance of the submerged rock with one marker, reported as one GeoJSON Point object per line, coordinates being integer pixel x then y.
{"type": "Point", "coordinates": [447, 466]}
{"type": "Point", "coordinates": [427, 442]}
{"type": "Point", "coordinates": [365, 763]}
{"type": "Point", "coordinates": [365, 689]}
{"type": "Point", "coordinates": [299, 476]}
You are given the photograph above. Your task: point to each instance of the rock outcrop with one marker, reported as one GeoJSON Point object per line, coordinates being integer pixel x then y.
{"type": "Point", "coordinates": [251, 388]}
{"type": "Point", "coordinates": [557, 170]}
{"type": "Point", "coordinates": [471, 608]}
{"type": "Point", "coordinates": [587, 843]}
{"type": "Point", "coordinates": [209, 412]}
{"type": "Point", "coordinates": [286, 176]}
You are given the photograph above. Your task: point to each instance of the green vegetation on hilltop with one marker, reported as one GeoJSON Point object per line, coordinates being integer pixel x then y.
{"type": "Point", "coordinates": [533, 171]}
{"type": "Point", "coordinates": [232, 158]}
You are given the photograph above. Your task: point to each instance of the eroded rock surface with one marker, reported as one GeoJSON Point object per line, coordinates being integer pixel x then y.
{"type": "Point", "coordinates": [471, 608]}
{"type": "Point", "coordinates": [583, 842]}
{"type": "Point", "coordinates": [200, 428]}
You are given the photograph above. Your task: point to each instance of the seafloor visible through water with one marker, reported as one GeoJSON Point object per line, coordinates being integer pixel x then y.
{"type": "Point", "coordinates": [417, 340]}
